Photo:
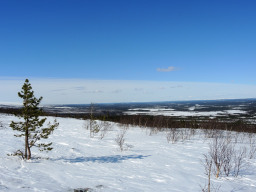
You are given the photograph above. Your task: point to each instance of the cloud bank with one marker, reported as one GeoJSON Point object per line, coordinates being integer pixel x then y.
{"type": "Point", "coordinates": [81, 91]}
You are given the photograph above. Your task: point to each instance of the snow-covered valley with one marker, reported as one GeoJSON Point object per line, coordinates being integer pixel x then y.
{"type": "Point", "coordinates": [148, 163]}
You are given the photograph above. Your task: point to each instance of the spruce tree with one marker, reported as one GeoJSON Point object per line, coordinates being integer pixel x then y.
{"type": "Point", "coordinates": [31, 127]}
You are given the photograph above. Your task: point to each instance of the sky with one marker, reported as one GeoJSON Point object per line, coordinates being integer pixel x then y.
{"type": "Point", "coordinates": [128, 50]}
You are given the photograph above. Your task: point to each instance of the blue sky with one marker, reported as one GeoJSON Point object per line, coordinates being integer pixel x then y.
{"type": "Point", "coordinates": [136, 41]}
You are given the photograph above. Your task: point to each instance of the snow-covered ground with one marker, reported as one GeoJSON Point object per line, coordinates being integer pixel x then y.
{"type": "Point", "coordinates": [149, 163]}
{"type": "Point", "coordinates": [190, 112]}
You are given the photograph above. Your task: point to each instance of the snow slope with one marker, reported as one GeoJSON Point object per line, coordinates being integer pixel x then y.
{"type": "Point", "coordinates": [150, 163]}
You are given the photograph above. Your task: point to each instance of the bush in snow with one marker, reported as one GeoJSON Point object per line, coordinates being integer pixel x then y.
{"type": "Point", "coordinates": [92, 125]}
{"type": "Point", "coordinates": [227, 158]}
{"type": "Point", "coordinates": [120, 138]}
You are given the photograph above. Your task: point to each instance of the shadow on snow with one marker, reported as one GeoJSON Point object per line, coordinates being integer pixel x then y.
{"type": "Point", "coordinates": [105, 159]}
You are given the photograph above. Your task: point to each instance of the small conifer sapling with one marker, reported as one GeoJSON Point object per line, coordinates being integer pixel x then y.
{"type": "Point", "coordinates": [32, 127]}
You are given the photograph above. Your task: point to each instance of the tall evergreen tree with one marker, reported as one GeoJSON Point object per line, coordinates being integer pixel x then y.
{"type": "Point", "coordinates": [31, 127]}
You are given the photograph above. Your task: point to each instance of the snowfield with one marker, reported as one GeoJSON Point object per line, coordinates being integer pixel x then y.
{"type": "Point", "coordinates": [190, 112]}
{"type": "Point", "coordinates": [149, 162]}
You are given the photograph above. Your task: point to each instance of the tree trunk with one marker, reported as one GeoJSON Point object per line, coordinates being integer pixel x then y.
{"type": "Point", "coordinates": [26, 140]}
{"type": "Point", "coordinates": [26, 144]}
{"type": "Point", "coordinates": [29, 153]}
{"type": "Point", "coordinates": [218, 172]}
{"type": "Point", "coordinates": [209, 177]}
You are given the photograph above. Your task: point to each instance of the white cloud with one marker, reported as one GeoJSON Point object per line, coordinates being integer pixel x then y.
{"type": "Point", "coordinates": [176, 86]}
{"type": "Point", "coordinates": [117, 91]}
{"type": "Point", "coordinates": [138, 89]}
{"type": "Point", "coordinates": [79, 88]}
{"type": "Point", "coordinates": [171, 68]}
{"type": "Point", "coordinates": [93, 91]}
